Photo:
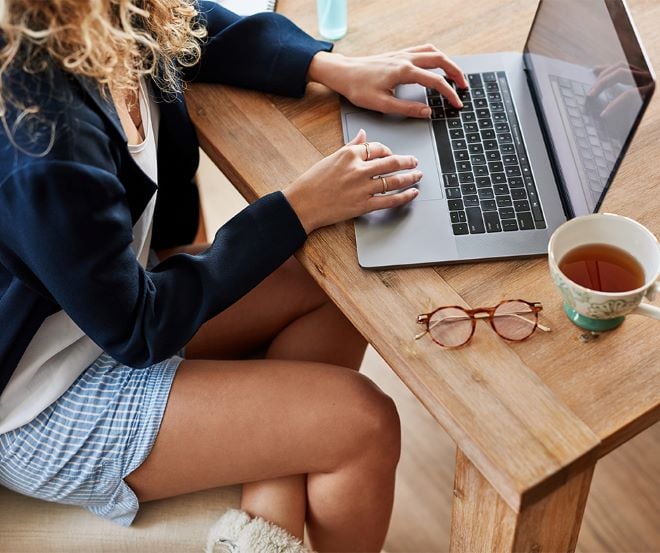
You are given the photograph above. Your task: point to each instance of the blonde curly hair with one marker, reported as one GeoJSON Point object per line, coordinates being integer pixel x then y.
{"type": "Point", "coordinates": [111, 41]}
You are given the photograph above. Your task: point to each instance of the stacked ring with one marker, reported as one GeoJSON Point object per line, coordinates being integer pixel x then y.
{"type": "Point", "coordinates": [366, 147]}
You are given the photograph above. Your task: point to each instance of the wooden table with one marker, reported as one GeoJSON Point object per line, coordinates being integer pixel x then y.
{"type": "Point", "coordinates": [530, 419]}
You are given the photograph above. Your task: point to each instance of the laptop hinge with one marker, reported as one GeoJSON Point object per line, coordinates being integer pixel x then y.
{"type": "Point", "coordinates": [563, 194]}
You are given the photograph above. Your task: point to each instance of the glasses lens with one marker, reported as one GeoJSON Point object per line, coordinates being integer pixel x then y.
{"type": "Point", "coordinates": [450, 327]}
{"type": "Point", "coordinates": [514, 320]}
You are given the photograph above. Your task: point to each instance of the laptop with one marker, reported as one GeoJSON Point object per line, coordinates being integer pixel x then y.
{"type": "Point", "coordinates": [539, 140]}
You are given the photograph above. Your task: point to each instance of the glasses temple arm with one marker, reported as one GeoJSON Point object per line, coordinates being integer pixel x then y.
{"type": "Point", "coordinates": [422, 320]}
{"type": "Point", "coordinates": [538, 324]}
{"type": "Point", "coordinates": [434, 323]}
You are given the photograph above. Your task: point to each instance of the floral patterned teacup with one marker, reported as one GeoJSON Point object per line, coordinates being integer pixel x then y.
{"type": "Point", "coordinates": [592, 309]}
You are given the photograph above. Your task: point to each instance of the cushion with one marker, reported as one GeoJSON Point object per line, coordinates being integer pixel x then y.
{"type": "Point", "coordinates": [175, 525]}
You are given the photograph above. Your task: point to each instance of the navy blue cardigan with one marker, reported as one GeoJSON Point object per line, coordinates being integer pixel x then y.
{"type": "Point", "coordinates": [66, 218]}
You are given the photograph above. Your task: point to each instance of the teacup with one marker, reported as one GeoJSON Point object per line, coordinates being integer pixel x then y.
{"type": "Point", "coordinates": [592, 309]}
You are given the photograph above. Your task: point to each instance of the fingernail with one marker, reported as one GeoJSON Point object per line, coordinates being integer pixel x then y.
{"type": "Point", "coordinates": [415, 192]}
{"type": "Point", "coordinates": [416, 161]}
{"type": "Point", "coordinates": [460, 104]}
{"type": "Point", "coordinates": [419, 175]}
{"type": "Point", "coordinates": [425, 112]}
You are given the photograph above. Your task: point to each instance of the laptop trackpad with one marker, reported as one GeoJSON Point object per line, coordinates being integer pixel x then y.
{"type": "Point", "coordinates": [417, 233]}
{"type": "Point", "coordinates": [402, 136]}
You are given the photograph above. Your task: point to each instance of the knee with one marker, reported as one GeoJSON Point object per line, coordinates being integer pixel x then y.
{"type": "Point", "coordinates": [374, 424]}
{"type": "Point", "coordinates": [384, 431]}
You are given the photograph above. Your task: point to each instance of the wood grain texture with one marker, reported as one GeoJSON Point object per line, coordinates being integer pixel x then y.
{"type": "Point", "coordinates": [483, 522]}
{"type": "Point", "coordinates": [477, 402]}
{"type": "Point", "coordinates": [624, 501]}
{"type": "Point", "coordinates": [615, 404]}
{"type": "Point", "coordinates": [621, 513]}
{"type": "Point", "coordinates": [553, 400]}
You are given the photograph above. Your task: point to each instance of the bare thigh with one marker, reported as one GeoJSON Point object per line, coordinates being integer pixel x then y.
{"type": "Point", "coordinates": [230, 422]}
{"type": "Point", "coordinates": [254, 320]}
{"type": "Point", "coordinates": [235, 421]}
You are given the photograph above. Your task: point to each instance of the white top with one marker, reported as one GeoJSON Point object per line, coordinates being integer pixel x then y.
{"type": "Point", "coordinates": [248, 7]}
{"type": "Point", "coordinates": [144, 153]}
{"type": "Point", "coordinates": [60, 352]}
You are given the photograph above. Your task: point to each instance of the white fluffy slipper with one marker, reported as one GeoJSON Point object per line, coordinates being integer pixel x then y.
{"type": "Point", "coordinates": [238, 532]}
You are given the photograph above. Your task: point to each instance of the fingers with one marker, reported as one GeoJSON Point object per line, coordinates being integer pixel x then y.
{"type": "Point", "coordinates": [391, 200]}
{"type": "Point", "coordinates": [435, 59]}
{"type": "Point", "coordinates": [429, 57]}
{"type": "Point", "coordinates": [360, 138]}
{"type": "Point", "coordinates": [369, 150]}
{"type": "Point", "coordinates": [394, 182]}
{"type": "Point", "coordinates": [623, 75]}
{"type": "Point", "coordinates": [391, 104]}
{"type": "Point", "coordinates": [609, 78]}
{"type": "Point", "coordinates": [422, 48]}
{"type": "Point", "coordinates": [600, 69]}
{"type": "Point", "coordinates": [390, 164]}
{"type": "Point", "coordinates": [431, 60]}
{"type": "Point", "coordinates": [627, 98]}
{"type": "Point", "coordinates": [433, 80]}
{"type": "Point", "coordinates": [383, 162]}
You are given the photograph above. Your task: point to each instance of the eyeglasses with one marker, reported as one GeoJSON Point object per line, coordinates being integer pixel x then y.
{"type": "Point", "coordinates": [453, 326]}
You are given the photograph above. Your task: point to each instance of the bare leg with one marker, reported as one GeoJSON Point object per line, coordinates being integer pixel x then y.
{"type": "Point", "coordinates": [289, 316]}
{"type": "Point", "coordinates": [294, 315]}
{"type": "Point", "coordinates": [247, 421]}
{"type": "Point", "coordinates": [282, 501]}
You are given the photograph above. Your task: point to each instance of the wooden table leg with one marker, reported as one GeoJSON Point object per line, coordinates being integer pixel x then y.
{"type": "Point", "coordinates": [482, 521]}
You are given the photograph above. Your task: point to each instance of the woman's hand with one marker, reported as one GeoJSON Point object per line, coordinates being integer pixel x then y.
{"type": "Point", "coordinates": [369, 81]}
{"type": "Point", "coordinates": [347, 184]}
{"type": "Point", "coordinates": [626, 84]}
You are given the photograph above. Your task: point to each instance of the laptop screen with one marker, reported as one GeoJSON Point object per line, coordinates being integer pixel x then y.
{"type": "Point", "coordinates": [591, 83]}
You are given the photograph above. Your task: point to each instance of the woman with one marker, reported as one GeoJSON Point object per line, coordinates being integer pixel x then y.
{"type": "Point", "coordinates": [130, 376]}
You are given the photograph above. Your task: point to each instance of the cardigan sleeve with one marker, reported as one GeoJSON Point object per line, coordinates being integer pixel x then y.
{"type": "Point", "coordinates": [66, 232]}
{"type": "Point", "coordinates": [264, 52]}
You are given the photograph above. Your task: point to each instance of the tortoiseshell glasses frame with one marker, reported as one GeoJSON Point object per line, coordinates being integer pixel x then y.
{"type": "Point", "coordinates": [452, 326]}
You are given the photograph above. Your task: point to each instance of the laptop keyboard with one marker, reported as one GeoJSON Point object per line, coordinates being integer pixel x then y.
{"type": "Point", "coordinates": [595, 149]}
{"type": "Point", "coordinates": [487, 177]}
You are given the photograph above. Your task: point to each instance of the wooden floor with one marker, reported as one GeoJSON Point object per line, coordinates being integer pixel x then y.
{"type": "Point", "coordinates": [623, 511]}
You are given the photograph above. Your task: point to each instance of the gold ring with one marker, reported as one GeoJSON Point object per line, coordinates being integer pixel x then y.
{"type": "Point", "coordinates": [366, 147]}
{"type": "Point", "coordinates": [384, 184]}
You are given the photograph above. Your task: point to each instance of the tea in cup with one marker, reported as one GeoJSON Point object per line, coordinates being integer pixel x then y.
{"type": "Point", "coordinates": [604, 266]}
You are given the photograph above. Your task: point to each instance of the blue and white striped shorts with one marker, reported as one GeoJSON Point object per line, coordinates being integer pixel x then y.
{"type": "Point", "coordinates": [79, 449]}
